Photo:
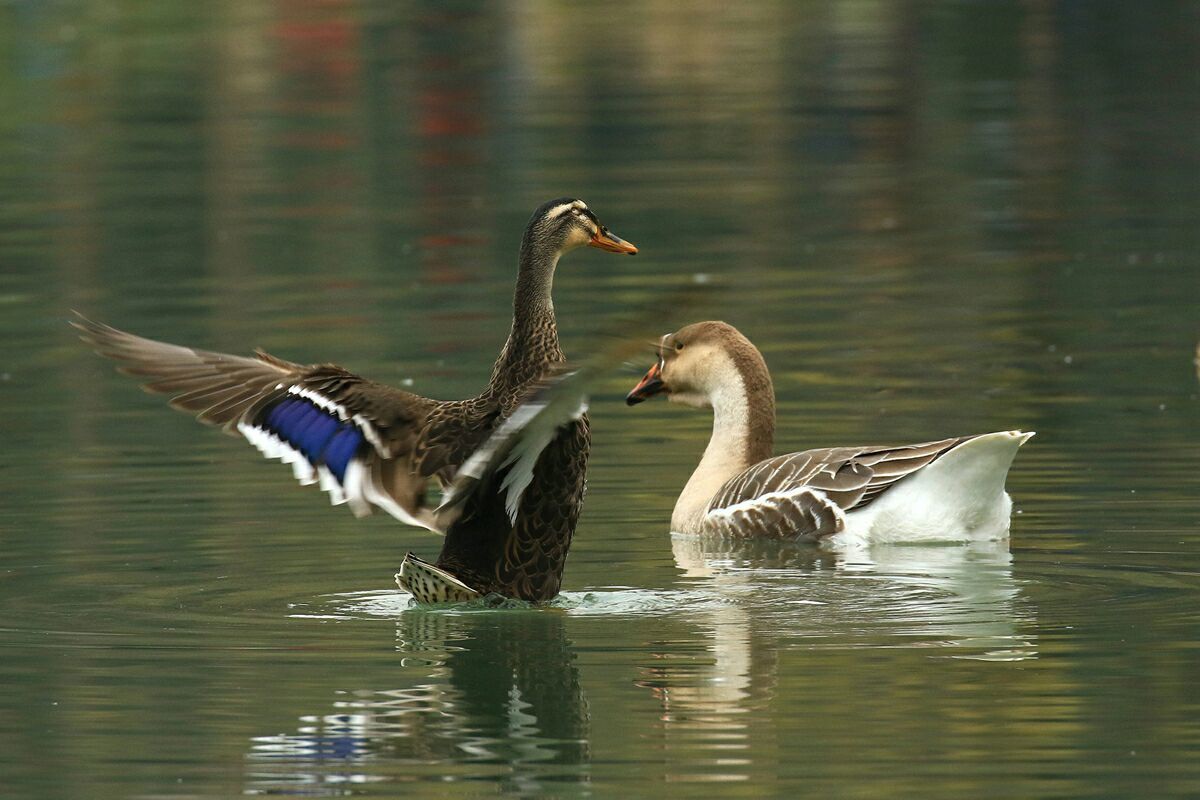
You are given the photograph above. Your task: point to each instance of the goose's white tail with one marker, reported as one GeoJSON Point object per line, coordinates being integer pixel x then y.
{"type": "Point", "coordinates": [959, 497]}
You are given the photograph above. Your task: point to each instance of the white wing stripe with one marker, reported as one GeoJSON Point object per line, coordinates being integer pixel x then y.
{"type": "Point", "coordinates": [770, 498]}
{"type": "Point", "coordinates": [273, 447]}
{"type": "Point", "coordinates": [372, 435]}
{"type": "Point", "coordinates": [320, 401]}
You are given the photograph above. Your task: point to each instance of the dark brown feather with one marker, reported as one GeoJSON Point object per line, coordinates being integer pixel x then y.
{"type": "Point", "coordinates": [223, 390]}
{"type": "Point", "coordinates": [420, 439]}
{"type": "Point", "coordinates": [416, 439]}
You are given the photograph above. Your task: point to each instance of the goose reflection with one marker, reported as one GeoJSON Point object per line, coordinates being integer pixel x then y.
{"type": "Point", "coordinates": [494, 698]}
{"type": "Point", "coordinates": [956, 601]}
{"type": "Point", "coordinates": [961, 597]}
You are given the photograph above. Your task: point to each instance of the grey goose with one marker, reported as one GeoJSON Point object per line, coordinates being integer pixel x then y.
{"type": "Point", "coordinates": [946, 490]}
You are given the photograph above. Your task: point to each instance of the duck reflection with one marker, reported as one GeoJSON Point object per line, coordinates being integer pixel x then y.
{"type": "Point", "coordinates": [495, 699]}
{"type": "Point", "coordinates": [958, 601]}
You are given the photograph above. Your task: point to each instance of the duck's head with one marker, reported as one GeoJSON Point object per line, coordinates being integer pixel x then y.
{"type": "Point", "coordinates": [698, 362]}
{"type": "Point", "coordinates": [567, 223]}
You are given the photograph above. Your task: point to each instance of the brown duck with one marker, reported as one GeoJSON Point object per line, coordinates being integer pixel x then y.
{"type": "Point", "coordinates": [374, 447]}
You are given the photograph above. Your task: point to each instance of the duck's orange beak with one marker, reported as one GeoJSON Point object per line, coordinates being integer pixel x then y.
{"type": "Point", "coordinates": [605, 239]}
{"type": "Point", "coordinates": [650, 385]}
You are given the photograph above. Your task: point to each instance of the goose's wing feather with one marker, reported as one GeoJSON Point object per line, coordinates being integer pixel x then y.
{"type": "Point", "coordinates": [806, 494]}
{"type": "Point", "coordinates": [362, 442]}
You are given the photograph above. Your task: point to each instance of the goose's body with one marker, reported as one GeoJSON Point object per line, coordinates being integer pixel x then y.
{"type": "Point", "coordinates": [374, 447]}
{"type": "Point", "coordinates": [947, 490]}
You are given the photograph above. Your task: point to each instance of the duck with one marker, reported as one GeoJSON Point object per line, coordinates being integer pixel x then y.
{"type": "Point", "coordinates": [939, 491]}
{"type": "Point", "coordinates": [376, 448]}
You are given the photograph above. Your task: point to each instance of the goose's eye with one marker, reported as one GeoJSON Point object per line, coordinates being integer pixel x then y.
{"type": "Point", "coordinates": [678, 346]}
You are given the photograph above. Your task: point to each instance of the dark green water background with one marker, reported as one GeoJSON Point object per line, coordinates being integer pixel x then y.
{"type": "Point", "coordinates": [933, 218]}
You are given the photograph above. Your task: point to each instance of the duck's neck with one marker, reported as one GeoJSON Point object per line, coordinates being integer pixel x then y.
{"type": "Point", "coordinates": [533, 340]}
{"type": "Point", "coordinates": [743, 434]}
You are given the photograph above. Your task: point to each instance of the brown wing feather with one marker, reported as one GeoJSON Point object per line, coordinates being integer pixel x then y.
{"type": "Point", "coordinates": [805, 513]}
{"type": "Point", "coordinates": [225, 390]}
{"type": "Point", "coordinates": [199, 380]}
{"type": "Point", "coordinates": [453, 431]}
{"type": "Point", "coordinates": [414, 439]}
{"type": "Point", "coordinates": [772, 492]}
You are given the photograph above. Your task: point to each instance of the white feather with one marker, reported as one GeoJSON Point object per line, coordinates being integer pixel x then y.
{"type": "Point", "coordinates": [958, 497]}
{"type": "Point", "coordinates": [770, 499]}
{"type": "Point", "coordinates": [354, 483]}
{"type": "Point", "coordinates": [273, 447]}
{"type": "Point", "coordinates": [320, 401]}
{"type": "Point", "coordinates": [330, 484]}
{"type": "Point", "coordinates": [369, 431]}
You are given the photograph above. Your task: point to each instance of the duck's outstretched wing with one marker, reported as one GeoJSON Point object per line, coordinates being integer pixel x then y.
{"type": "Point", "coordinates": [362, 442]}
{"type": "Point", "coordinates": [805, 495]}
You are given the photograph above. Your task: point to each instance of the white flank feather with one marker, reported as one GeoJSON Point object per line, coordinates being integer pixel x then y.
{"type": "Point", "coordinates": [958, 497]}
{"type": "Point", "coordinates": [771, 499]}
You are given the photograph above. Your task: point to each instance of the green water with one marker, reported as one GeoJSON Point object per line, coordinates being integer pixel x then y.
{"type": "Point", "coordinates": [934, 219]}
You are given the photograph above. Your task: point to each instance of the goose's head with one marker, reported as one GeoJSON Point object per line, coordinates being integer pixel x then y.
{"type": "Point", "coordinates": [698, 363]}
{"type": "Point", "coordinates": [567, 223]}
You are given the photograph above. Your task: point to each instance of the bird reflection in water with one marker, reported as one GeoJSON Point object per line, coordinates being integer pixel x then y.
{"type": "Point", "coordinates": [494, 698]}
{"type": "Point", "coordinates": [959, 601]}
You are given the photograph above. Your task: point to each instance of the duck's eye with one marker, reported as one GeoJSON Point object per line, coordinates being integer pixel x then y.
{"type": "Point", "coordinates": [678, 346]}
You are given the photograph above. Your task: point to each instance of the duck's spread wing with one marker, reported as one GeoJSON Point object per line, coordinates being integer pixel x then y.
{"type": "Point", "coordinates": [360, 441]}
{"type": "Point", "coordinates": [806, 495]}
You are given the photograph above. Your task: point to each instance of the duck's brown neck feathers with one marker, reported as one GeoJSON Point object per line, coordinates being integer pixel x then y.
{"type": "Point", "coordinates": [533, 340]}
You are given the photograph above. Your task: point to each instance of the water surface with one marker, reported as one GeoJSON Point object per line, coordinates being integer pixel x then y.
{"type": "Point", "coordinates": [933, 220]}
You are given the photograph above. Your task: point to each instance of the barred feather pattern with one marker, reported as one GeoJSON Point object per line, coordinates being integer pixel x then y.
{"type": "Point", "coordinates": [806, 495]}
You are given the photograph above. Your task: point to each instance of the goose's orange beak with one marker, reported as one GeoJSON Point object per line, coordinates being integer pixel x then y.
{"type": "Point", "coordinates": [650, 385]}
{"type": "Point", "coordinates": [605, 239]}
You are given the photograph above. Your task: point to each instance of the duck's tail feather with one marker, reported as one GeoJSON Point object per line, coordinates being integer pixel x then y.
{"type": "Point", "coordinates": [430, 584]}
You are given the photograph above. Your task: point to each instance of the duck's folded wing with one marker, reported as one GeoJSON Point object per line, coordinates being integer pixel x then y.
{"type": "Point", "coordinates": [806, 494]}
{"type": "Point", "coordinates": [509, 451]}
{"type": "Point", "coordinates": [358, 440]}
{"type": "Point", "coordinates": [514, 446]}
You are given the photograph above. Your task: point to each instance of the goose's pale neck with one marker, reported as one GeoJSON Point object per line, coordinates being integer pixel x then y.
{"type": "Point", "coordinates": [533, 340]}
{"type": "Point", "coordinates": [743, 434]}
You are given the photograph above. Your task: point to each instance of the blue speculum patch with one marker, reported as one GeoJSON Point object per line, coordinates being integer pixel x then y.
{"type": "Point", "coordinates": [316, 432]}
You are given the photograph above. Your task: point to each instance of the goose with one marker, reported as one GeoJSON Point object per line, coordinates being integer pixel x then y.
{"type": "Point", "coordinates": [376, 448]}
{"type": "Point", "coordinates": [946, 490]}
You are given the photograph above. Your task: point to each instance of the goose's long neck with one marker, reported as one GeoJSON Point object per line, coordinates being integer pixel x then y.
{"type": "Point", "coordinates": [533, 340]}
{"type": "Point", "coordinates": [743, 434]}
